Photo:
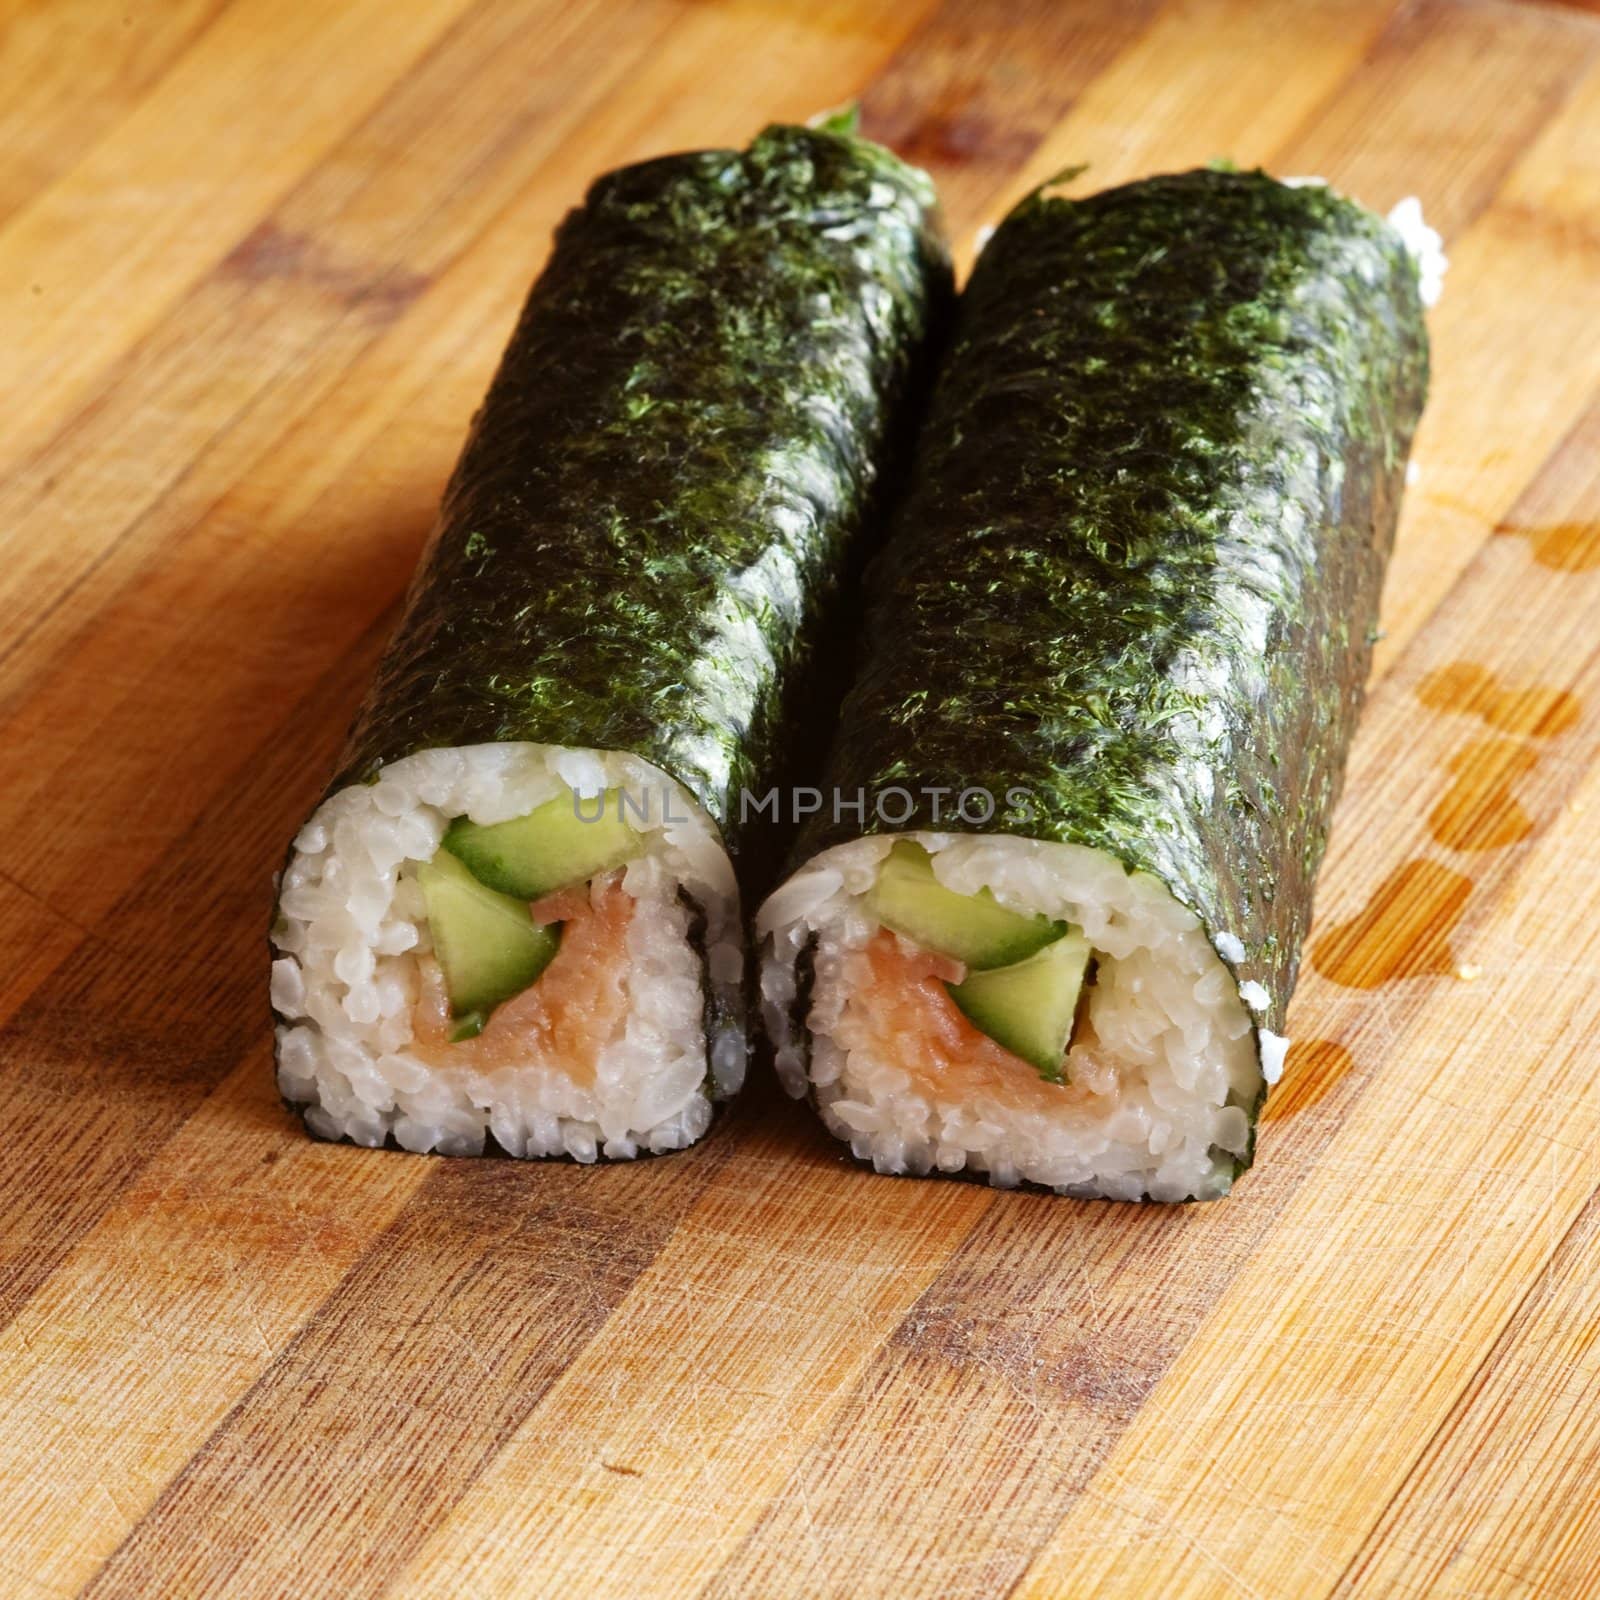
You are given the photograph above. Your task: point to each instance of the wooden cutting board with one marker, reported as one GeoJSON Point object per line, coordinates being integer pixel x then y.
{"type": "Point", "coordinates": [257, 259]}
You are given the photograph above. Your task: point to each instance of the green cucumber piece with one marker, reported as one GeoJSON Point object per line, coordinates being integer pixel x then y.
{"type": "Point", "coordinates": [488, 944]}
{"type": "Point", "coordinates": [551, 848]}
{"type": "Point", "coordinates": [1029, 1008]}
{"type": "Point", "coordinates": [975, 929]}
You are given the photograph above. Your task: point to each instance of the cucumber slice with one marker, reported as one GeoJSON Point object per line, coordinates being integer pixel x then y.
{"type": "Point", "coordinates": [1029, 1008]}
{"type": "Point", "coordinates": [468, 1026]}
{"type": "Point", "coordinates": [551, 848]}
{"type": "Point", "coordinates": [488, 944]}
{"type": "Point", "coordinates": [974, 928]}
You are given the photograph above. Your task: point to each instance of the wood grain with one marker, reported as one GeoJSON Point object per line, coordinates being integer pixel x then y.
{"type": "Point", "coordinates": [259, 259]}
{"type": "Point", "coordinates": [73, 69]}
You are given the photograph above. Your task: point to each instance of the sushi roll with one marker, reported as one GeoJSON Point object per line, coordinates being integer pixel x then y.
{"type": "Point", "coordinates": [513, 921]}
{"type": "Point", "coordinates": [1045, 924]}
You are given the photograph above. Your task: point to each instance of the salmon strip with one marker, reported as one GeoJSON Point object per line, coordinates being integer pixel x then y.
{"type": "Point", "coordinates": [565, 1017]}
{"type": "Point", "coordinates": [900, 1012]}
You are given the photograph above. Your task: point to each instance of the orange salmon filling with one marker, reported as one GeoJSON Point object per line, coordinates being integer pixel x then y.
{"type": "Point", "coordinates": [900, 1012]}
{"type": "Point", "coordinates": [564, 1018]}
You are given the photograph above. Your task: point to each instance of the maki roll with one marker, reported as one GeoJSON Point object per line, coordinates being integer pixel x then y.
{"type": "Point", "coordinates": [514, 916]}
{"type": "Point", "coordinates": [1047, 920]}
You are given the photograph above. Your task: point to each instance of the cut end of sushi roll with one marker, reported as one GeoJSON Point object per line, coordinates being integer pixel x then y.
{"type": "Point", "coordinates": [529, 944]}
{"type": "Point", "coordinates": [1033, 1012]}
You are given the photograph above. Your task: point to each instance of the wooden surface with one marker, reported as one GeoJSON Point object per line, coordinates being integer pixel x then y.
{"type": "Point", "coordinates": [257, 258]}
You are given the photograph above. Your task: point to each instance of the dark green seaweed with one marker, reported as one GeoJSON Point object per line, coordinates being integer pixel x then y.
{"type": "Point", "coordinates": [1138, 568]}
{"type": "Point", "coordinates": [675, 466]}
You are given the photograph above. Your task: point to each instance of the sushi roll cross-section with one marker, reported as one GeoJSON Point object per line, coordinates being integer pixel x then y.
{"type": "Point", "coordinates": [514, 919]}
{"type": "Point", "coordinates": [1114, 655]}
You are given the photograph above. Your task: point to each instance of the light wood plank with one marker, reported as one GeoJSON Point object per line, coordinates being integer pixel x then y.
{"type": "Point", "coordinates": [128, 1031]}
{"type": "Point", "coordinates": [1165, 105]}
{"type": "Point", "coordinates": [167, 1312]}
{"type": "Point", "coordinates": [1001, 1392]}
{"type": "Point", "coordinates": [666, 1467]}
{"type": "Point", "coordinates": [72, 69]}
{"type": "Point", "coordinates": [1503, 1502]}
{"type": "Point", "coordinates": [1516, 353]}
{"type": "Point", "coordinates": [92, 263]}
{"type": "Point", "coordinates": [408, 1379]}
{"type": "Point", "coordinates": [979, 86]}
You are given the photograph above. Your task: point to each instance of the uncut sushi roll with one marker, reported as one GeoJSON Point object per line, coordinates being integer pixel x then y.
{"type": "Point", "coordinates": [1047, 920]}
{"type": "Point", "coordinates": [513, 920]}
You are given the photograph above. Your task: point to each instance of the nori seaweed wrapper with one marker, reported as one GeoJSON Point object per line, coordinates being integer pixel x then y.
{"type": "Point", "coordinates": [678, 460]}
{"type": "Point", "coordinates": [1137, 571]}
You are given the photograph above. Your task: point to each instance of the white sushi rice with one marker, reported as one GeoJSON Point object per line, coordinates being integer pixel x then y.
{"type": "Point", "coordinates": [1171, 1078]}
{"type": "Point", "coordinates": [352, 928]}
{"type": "Point", "coordinates": [1425, 245]}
